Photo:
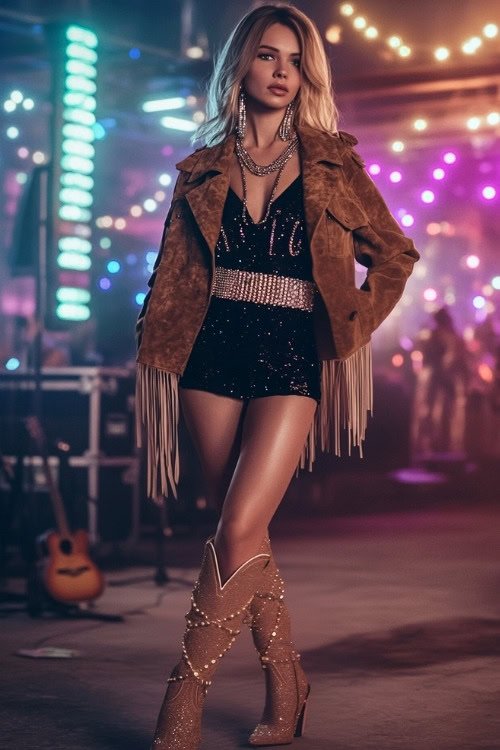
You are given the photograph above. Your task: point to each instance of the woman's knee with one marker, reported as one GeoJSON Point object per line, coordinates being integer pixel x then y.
{"type": "Point", "coordinates": [216, 492]}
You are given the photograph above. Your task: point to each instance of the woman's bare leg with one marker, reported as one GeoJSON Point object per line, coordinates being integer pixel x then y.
{"type": "Point", "coordinates": [215, 424]}
{"type": "Point", "coordinates": [274, 432]}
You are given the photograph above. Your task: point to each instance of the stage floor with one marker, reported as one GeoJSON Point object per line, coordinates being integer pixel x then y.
{"type": "Point", "coordinates": [396, 615]}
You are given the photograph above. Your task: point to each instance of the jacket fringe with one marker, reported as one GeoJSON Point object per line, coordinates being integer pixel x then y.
{"type": "Point", "coordinates": [157, 410]}
{"type": "Point", "coordinates": [346, 398]}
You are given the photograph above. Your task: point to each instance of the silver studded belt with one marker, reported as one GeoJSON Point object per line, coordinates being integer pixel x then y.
{"type": "Point", "coordinates": [264, 288]}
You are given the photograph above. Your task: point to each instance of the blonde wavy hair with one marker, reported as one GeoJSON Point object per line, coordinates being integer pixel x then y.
{"type": "Point", "coordinates": [314, 106]}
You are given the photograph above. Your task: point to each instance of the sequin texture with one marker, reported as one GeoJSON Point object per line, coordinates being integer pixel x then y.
{"type": "Point", "coordinates": [248, 349]}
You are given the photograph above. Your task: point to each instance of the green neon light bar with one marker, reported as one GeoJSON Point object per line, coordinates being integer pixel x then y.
{"type": "Point", "coordinates": [78, 197]}
{"type": "Point", "coordinates": [80, 68]}
{"type": "Point", "coordinates": [80, 52]}
{"type": "Point", "coordinates": [80, 100]}
{"type": "Point", "coordinates": [68, 311]}
{"type": "Point", "coordinates": [69, 212]}
{"type": "Point", "coordinates": [74, 261]}
{"type": "Point", "coordinates": [74, 244]}
{"type": "Point", "coordinates": [78, 148]}
{"type": "Point", "coordinates": [77, 164]}
{"type": "Point", "coordinates": [74, 179]}
{"type": "Point", "coordinates": [80, 132]}
{"type": "Point", "coordinates": [81, 35]}
{"type": "Point", "coordinates": [80, 83]}
{"type": "Point", "coordinates": [72, 294]}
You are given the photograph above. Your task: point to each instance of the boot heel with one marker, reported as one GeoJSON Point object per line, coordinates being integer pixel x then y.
{"type": "Point", "coordinates": [301, 723]}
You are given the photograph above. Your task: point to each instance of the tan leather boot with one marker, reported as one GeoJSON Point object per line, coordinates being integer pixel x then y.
{"type": "Point", "coordinates": [213, 622]}
{"type": "Point", "coordinates": [287, 687]}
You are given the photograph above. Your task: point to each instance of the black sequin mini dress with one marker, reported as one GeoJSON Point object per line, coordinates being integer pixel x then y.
{"type": "Point", "coordinates": [249, 349]}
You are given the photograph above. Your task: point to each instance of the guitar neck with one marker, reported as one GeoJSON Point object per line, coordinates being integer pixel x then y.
{"type": "Point", "coordinates": [37, 434]}
{"type": "Point", "coordinates": [56, 499]}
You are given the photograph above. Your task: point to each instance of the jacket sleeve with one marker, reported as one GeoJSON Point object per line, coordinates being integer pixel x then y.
{"type": "Point", "coordinates": [140, 320]}
{"type": "Point", "coordinates": [382, 247]}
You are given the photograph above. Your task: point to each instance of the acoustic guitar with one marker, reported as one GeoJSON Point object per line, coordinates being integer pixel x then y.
{"type": "Point", "coordinates": [69, 573]}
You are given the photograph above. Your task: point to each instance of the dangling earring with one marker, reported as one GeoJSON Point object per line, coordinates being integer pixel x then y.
{"type": "Point", "coordinates": [242, 115]}
{"type": "Point", "coordinates": [285, 131]}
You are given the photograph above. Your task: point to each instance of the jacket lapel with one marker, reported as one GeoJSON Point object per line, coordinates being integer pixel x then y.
{"type": "Point", "coordinates": [207, 199]}
{"type": "Point", "coordinates": [320, 158]}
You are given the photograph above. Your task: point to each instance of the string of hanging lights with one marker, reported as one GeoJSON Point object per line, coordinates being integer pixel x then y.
{"type": "Point", "coordinates": [440, 54]}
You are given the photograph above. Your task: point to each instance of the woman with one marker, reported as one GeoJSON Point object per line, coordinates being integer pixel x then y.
{"type": "Point", "coordinates": [254, 321]}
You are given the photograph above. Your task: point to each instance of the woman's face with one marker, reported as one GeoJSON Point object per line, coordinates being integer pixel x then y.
{"type": "Point", "coordinates": [277, 63]}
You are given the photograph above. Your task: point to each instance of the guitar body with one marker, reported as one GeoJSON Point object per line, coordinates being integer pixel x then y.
{"type": "Point", "coordinates": [70, 574]}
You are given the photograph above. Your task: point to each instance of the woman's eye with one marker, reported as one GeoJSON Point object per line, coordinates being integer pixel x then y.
{"type": "Point", "coordinates": [268, 54]}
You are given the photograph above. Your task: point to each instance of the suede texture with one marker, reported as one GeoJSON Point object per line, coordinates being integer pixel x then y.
{"type": "Point", "coordinates": [346, 220]}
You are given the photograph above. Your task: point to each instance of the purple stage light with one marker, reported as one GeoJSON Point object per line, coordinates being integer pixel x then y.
{"type": "Point", "coordinates": [406, 343]}
{"type": "Point", "coordinates": [489, 192]}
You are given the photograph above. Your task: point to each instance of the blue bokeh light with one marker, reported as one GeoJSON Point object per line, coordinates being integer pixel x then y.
{"type": "Point", "coordinates": [139, 298]}
{"type": "Point", "coordinates": [12, 364]}
{"type": "Point", "coordinates": [104, 283]}
{"type": "Point", "coordinates": [134, 53]}
{"type": "Point", "coordinates": [99, 131]}
{"type": "Point", "coordinates": [113, 266]}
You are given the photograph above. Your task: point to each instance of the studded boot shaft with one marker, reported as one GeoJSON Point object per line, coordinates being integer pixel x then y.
{"type": "Point", "coordinates": [287, 686]}
{"type": "Point", "coordinates": [212, 624]}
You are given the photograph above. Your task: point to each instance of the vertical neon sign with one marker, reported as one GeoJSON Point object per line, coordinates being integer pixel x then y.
{"type": "Point", "coordinates": [73, 165]}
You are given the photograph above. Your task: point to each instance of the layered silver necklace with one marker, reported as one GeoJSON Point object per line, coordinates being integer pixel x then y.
{"type": "Point", "coordinates": [245, 160]}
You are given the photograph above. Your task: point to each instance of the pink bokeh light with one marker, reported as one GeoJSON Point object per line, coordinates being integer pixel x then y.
{"type": "Point", "coordinates": [472, 261]}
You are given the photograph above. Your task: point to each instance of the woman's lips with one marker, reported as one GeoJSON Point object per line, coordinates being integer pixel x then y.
{"type": "Point", "coordinates": [277, 91]}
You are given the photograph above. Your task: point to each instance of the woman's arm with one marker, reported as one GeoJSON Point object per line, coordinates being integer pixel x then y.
{"type": "Point", "coordinates": [381, 246]}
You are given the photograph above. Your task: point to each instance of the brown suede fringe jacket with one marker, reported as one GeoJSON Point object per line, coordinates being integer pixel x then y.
{"type": "Point", "coordinates": [346, 219]}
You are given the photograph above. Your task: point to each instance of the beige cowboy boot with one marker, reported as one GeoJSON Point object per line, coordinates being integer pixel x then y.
{"type": "Point", "coordinates": [287, 687]}
{"type": "Point", "coordinates": [213, 622]}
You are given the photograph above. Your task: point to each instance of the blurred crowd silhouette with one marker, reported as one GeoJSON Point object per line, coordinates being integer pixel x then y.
{"type": "Point", "coordinates": [456, 406]}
